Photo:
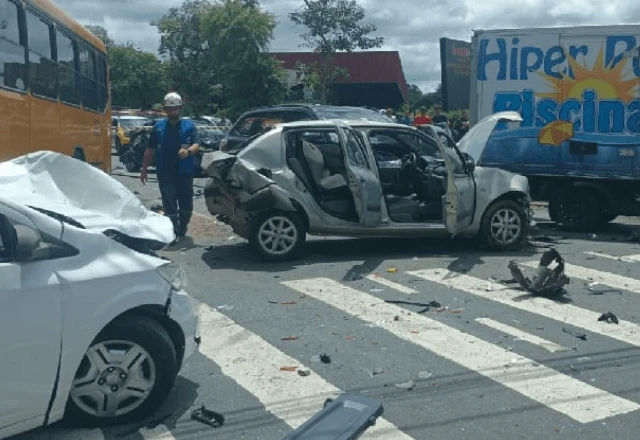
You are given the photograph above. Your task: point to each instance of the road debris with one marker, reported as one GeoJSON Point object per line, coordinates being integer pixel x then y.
{"type": "Point", "coordinates": [575, 334]}
{"type": "Point", "coordinates": [392, 270]}
{"type": "Point", "coordinates": [427, 306]}
{"type": "Point", "coordinates": [290, 338]}
{"type": "Point", "coordinates": [288, 369]}
{"type": "Point", "coordinates": [304, 373]}
{"type": "Point", "coordinates": [423, 375]}
{"type": "Point", "coordinates": [599, 289]}
{"type": "Point", "coordinates": [224, 307]}
{"type": "Point", "coordinates": [284, 303]}
{"type": "Point", "coordinates": [325, 358]}
{"type": "Point", "coordinates": [609, 318]}
{"type": "Point", "coordinates": [208, 417]}
{"type": "Point", "coordinates": [546, 281]}
{"type": "Point", "coordinates": [408, 385]}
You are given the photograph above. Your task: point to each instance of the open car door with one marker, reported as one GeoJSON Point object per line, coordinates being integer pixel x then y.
{"type": "Point", "coordinates": [460, 198]}
{"type": "Point", "coordinates": [364, 183]}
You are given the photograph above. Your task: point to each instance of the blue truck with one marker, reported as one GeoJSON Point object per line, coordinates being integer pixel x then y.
{"type": "Point", "coordinates": [577, 90]}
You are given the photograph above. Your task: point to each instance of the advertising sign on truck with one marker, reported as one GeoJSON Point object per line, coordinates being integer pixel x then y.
{"type": "Point", "coordinates": [577, 90]}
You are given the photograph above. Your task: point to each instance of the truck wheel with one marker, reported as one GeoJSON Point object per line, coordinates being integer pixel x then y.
{"type": "Point", "coordinates": [277, 236]}
{"type": "Point", "coordinates": [504, 226]}
{"type": "Point", "coordinates": [576, 208]}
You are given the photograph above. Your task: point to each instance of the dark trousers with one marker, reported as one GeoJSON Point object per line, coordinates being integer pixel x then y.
{"type": "Point", "coordinates": [177, 200]}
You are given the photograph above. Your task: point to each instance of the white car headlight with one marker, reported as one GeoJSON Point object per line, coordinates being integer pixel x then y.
{"type": "Point", "coordinates": [174, 274]}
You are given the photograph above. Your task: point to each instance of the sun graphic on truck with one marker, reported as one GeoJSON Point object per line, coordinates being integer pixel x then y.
{"type": "Point", "coordinates": [582, 84]}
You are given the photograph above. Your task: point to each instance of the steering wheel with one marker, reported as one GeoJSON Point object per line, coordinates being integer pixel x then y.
{"type": "Point", "coordinates": [408, 167]}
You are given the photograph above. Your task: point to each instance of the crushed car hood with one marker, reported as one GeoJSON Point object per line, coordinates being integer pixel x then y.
{"type": "Point", "coordinates": [58, 183]}
{"type": "Point", "coordinates": [474, 142]}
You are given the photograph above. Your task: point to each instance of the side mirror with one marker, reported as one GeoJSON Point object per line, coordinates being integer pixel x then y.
{"type": "Point", "coordinates": [469, 163]}
{"type": "Point", "coordinates": [27, 242]}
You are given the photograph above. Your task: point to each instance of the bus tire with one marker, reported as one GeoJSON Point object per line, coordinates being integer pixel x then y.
{"type": "Point", "coordinates": [577, 209]}
{"type": "Point", "coordinates": [78, 153]}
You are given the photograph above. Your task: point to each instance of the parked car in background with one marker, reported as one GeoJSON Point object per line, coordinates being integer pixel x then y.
{"type": "Point", "coordinates": [254, 122]}
{"type": "Point", "coordinates": [121, 127]}
{"type": "Point", "coordinates": [362, 179]}
{"type": "Point", "coordinates": [93, 326]}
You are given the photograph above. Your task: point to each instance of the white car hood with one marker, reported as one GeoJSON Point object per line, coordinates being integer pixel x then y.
{"type": "Point", "coordinates": [474, 142]}
{"type": "Point", "coordinates": [75, 189]}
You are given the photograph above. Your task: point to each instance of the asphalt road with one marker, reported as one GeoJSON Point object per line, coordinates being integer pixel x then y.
{"type": "Point", "coordinates": [490, 363]}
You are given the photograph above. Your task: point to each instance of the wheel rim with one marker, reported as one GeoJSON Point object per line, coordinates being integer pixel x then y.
{"type": "Point", "coordinates": [506, 226]}
{"type": "Point", "coordinates": [278, 235]}
{"type": "Point", "coordinates": [114, 378]}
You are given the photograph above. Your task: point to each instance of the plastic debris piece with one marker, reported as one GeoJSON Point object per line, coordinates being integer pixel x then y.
{"type": "Point", "coordinates": [415, 332]}
{"type": "Point", "coordinates": [208, 417]}
{"type": "Point", "coordinates": [609, 317]}
{"type": "Point", "coordinates": [350, 338]}
{"type": "Point", "coordinates": [408, 385]}
{"type": "Point", "coordinates": [575, 334]}
{"type": "Point", "coordinates": [392, 270]}
{"type": "Point", "coordinates": [288, 303]}
{"type": "Point", "coordinates": [546, 281]}
{"type": "Point", "coordinates": [225, 307]}
{"type": "Point", "coordinates": [289, 369]}
{"type": "Point", "coordinates": [291, 338]}
{"type": "Point", "coordinates": [377, 371]}
{"type": "Point", "coordinates": [304, 373]}
{"type": "Point", "coordinates": [325, 358]}
{"type": "Point", "coordinates": [425, 375]}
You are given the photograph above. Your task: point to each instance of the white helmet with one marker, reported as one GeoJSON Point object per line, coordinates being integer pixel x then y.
{"type": "Point", "coordinates": [172, 100]}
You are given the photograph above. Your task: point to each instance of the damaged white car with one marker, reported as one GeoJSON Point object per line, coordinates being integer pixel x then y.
{"type": "Point", "coordinates": [90, 327]}
{"type": "Point", "coordinates": [363, 179]}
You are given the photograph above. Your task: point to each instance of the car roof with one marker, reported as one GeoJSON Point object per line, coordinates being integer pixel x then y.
{"type": "Point", "coordinates": [131, 117]}
{"type": "Point", "coordinates": [311, 107]}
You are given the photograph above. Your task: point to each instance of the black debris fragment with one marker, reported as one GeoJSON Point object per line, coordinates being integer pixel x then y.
{"type": "Point", "coordinates": [575, 334]}
{"type": "Point", "coordinates": [304, 373]}
{"type": "Point", "coordinates": [325, 358]}
{"type": "Point", "coordinates": [208, 417]}
{"type": "Point", "coordinates": [427, 306]}
{"type": "Point", "coordinates": [546, 281]}
{"type": "Point", "coordinates": [609, 317]}
{"type": "Point", "coordinates": [157, 208]}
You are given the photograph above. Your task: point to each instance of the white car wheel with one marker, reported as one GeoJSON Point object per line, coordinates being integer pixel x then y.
{"type": "Point", "coordinates": [125, 374]}
{"type": "Point", "coordinates": [278, 236]}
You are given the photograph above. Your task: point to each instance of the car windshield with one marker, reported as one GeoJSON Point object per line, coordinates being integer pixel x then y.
{"type": "Point", "coordinates": [350, 113]}
{"type": "Point", "coordinates": [133, 122]}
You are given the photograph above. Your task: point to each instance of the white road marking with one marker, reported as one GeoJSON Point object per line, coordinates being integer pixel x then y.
{"type": "Point", "coordinates": [577, 400]}
{"type": "Point", "coordinates": [521, 335]}
{"type": "Point", "coordinates": [626, 258]}
{"type": "Point", "coordinates": [255, 365]}
{"type": "Point", "coordinates": [598, 276]}
{"type": "Point", "coordinates": [625, 331]}
{"type": "Point", "coordinates": [160, 432]}
{"type": "Point", "coordinates": [392, 285]}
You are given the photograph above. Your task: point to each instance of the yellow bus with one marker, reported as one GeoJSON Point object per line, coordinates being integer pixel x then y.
{"type": "Point", "coordinates": [54, 85]}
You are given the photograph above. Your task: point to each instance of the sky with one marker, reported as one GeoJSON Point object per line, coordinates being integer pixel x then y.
{"type": "Point", "coordinates": [412, 27]}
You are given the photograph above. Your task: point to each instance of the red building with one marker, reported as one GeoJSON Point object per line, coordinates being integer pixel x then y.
{"type": "Point", "coordinates": [376, 78]}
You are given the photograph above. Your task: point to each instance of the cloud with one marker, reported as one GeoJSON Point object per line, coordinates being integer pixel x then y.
{"type": "Point", "coordinates": [409, 26]}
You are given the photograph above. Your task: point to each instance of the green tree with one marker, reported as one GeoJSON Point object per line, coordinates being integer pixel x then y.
{"type": "Point", "coordinates": [239, 33]}
{"type": "Point", "coordinates": [189, 66]}
{"type": "Point", "coordinates": [102, 34]}
{"type": "Point", "coordinates": [138, 78]}
{"type": "Point", "coordinates": [415, 94]}
{"type": "Point", "coordinates": [332, 26]}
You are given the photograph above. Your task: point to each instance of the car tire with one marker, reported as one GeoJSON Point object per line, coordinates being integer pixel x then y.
{"type": "Point", "coordinates": [290, 231]}
{"type": "Point", "coordinates": [131, 164]}
{"type": "Point", "coordinates": [148, 378]}
{"type": "Point", "coordinates": [498, 216]}
{"type": "Point", "coordinates": [576, 208]}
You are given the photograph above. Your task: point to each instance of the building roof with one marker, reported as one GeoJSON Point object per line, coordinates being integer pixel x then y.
{"type": "Point", "coordinates": [364, 67]}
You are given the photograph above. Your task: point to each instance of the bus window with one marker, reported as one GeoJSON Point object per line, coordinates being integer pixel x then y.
{"type": "Point", "coordinates": [89, 86]}
{"type": "Point", "coordinates": [13, 72]}
{"type": "Point", "coordinates": [103, 90]}
{"type": "Point", "coordinates": [42, 71]}
{"type": "Point", "coordinates": [68, 75]}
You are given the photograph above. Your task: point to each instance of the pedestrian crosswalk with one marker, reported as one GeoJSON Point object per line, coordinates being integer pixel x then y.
{"type": "Point", "coordinates": [529, 369]}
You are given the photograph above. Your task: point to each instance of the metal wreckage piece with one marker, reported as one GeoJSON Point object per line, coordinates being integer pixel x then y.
{"type": "Point", "coordinates": [546, 281]}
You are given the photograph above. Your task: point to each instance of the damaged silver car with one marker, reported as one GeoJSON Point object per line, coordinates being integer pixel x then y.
{"type": "Point", "coordinates": [362, 179]}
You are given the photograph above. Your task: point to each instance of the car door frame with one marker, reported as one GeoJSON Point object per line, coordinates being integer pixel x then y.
{"type": "Point", "coordinates": [13, 292]}
{"type": "Point", "coordinates": [459, 200]}
{"type": "Point", "coordinates": [364, 182]}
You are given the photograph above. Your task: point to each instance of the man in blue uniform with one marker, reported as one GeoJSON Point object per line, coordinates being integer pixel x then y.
{"type": "Point", "coordinates": [173, 144]}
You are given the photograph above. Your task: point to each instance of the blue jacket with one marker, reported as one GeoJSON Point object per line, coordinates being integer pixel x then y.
{"type": "Point", "coordinates": [159, 142]}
